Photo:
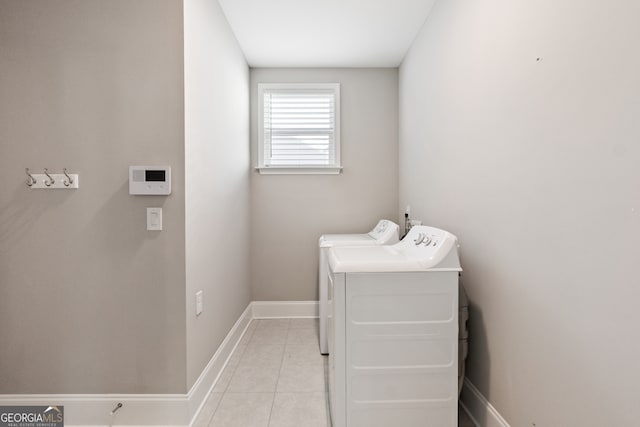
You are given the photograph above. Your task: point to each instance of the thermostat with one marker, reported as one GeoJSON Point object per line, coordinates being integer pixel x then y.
{"type": "Point", "coordinates": [150, 180]}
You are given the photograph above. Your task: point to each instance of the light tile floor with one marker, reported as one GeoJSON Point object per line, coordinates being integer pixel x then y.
{"type": "Point", "coordinates": [274, 378]}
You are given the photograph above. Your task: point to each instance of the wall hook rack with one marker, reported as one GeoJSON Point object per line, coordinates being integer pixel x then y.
{"type": "Point", "coordinates": [50, 181]}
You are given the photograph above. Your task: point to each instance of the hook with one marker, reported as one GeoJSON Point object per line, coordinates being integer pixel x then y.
{"type": "Point", "coordinates": [67, 182]}
{"type": "Point", "coordinates": [31, 180]}
{"type": "Point", "coordinates": [51, 180]}
{"type": "Point", "coordinates": [118, 406]}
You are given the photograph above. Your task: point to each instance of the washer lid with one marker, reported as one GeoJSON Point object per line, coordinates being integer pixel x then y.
{"type": "Point", "coordinates": [423, 249]}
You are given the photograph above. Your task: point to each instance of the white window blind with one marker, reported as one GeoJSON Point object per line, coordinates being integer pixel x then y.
{"type": "Point", "coordinates": [299, 127]}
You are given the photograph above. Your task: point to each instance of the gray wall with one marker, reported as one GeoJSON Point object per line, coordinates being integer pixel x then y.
{"type": "Point", "coordinates": [534, 165]}
{"type": "Point", "coordinates": [217, 180]}
{"type": "Point", "coordinates": [90, 302]}
{"type": "Point", "coordinates": [290, 212]}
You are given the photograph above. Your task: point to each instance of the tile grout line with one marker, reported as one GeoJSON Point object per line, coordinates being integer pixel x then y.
{"type": "Point", "coordinates": [235, 368]}
{"type": "Point", "coordinates": [215, 410]}
{"type": "Point", "coordinates": [284, 348]}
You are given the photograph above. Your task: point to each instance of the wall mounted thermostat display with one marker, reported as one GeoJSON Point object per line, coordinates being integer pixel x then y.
{"type": "Point", "coordinates": [150, 180]}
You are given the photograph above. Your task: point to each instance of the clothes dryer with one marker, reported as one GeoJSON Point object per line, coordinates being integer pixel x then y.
{"type": "Point", "coordinates": [384, 233]}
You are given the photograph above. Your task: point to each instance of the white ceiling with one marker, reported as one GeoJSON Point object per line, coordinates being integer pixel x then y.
{"type": "Point", "coordinates": [325, 33]}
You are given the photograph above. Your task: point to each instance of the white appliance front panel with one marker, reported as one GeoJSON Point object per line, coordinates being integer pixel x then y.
{"type": "Point", "coordinates": [398, 365]}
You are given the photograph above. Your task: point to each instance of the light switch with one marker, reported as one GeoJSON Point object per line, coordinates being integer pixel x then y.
{"type": "Point", "coordinates": [154, 219]}
{"type": "Point", "coordinates": [199, 302]}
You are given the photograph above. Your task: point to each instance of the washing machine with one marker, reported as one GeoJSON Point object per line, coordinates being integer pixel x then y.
{"type": "Point", "coordinates": [384, 233]}
{"type": "Point", "coordinates": [393, 332]}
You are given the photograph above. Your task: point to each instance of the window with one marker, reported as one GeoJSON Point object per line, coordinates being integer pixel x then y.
{"type": "Point", "coordinates": [299, 128]}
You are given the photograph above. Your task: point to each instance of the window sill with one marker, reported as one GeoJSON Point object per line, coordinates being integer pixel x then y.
{"type": "Point", "coordinates": [317, 170]}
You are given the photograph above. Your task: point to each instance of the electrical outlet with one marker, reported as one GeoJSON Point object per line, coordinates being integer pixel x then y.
{"type": "Point", "coordinates": [199, 302]}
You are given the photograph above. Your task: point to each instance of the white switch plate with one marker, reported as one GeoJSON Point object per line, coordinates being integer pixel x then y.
{"type": "Point", "coordinates": [199, 302]}
{"type": "Point", "coordinates": [154, 219]}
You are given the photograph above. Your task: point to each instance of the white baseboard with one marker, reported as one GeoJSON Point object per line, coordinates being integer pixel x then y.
{"type": "Point", "coordinates": [481, 412]}
{"type": "Point", "coordinates": [275, 309]}
{"type": "Point", "coordinates": [209, 376]}
{"type": "Point", "coordinates": [138, 409]}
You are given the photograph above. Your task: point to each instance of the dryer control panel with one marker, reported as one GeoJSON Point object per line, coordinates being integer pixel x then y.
{"type": "Point", "coordinates": [385, 232]}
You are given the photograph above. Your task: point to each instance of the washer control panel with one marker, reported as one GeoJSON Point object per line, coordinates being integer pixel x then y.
{"type": "Point", "coordinates": [426, 239]}
{"type": "Point", "coordinates": [428, 243]}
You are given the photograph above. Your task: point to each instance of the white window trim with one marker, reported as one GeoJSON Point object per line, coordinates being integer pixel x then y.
{"type": "Point", "coordinates": [295, 170]}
